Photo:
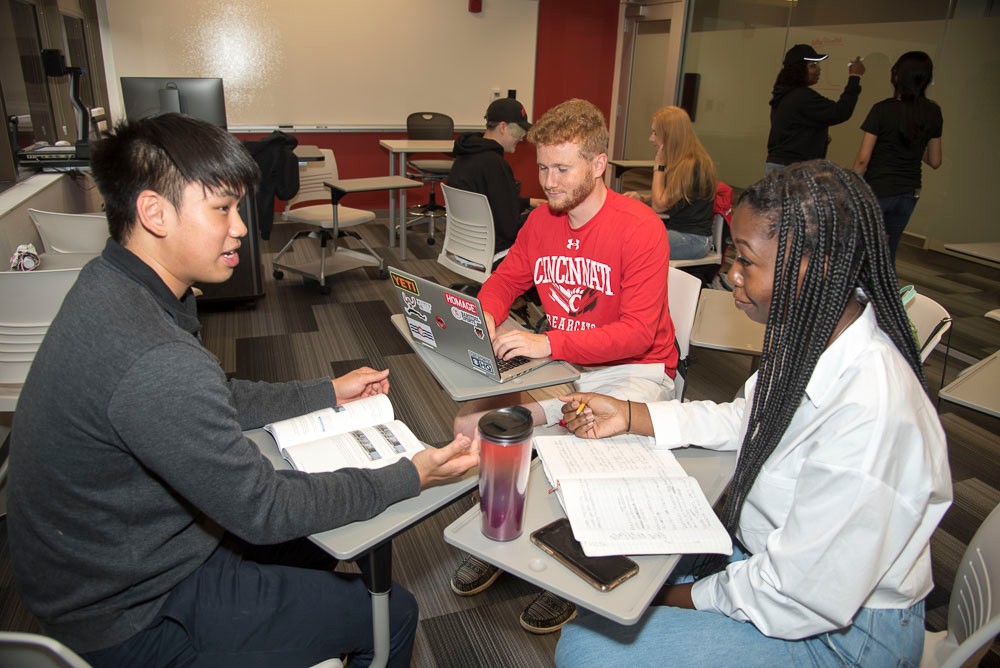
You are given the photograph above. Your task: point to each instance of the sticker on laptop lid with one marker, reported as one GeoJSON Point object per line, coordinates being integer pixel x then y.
{"type": "Point", "coordinates": [404, 283]}
{"type": "Point", "coordinates": [410, 307]}
{"type": "Point", "coordinates": [422, 332]}
{"type": "Point", "coordinates": [465, 317]}
{"type": "Point", "coordinates": [481, 363]}
{"type": "Point", "coordinates": [461, 303]}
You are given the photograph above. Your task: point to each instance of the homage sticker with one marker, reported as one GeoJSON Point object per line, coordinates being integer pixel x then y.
{"type": "Point", "coordinates": [480, 363]}
{"type": "Point", "coordinates": [421, 332]}
{"type": "Point", "coordinates": [459, 302]}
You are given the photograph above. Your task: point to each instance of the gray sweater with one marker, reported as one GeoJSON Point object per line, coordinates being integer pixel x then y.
{"type": "Point", "coordinates": [128, 461]}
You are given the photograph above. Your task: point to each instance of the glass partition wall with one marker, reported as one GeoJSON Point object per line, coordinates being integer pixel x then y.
{"type": "Point", "coordinates": [736, 46]}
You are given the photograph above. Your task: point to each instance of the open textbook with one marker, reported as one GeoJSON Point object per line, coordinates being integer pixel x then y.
{"type": "Point", "coordinates": [359, 434]}
{"type": "Point", "coordinates": [624, 497]}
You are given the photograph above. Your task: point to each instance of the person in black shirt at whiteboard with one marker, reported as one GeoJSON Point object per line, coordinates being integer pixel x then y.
{"type": "Point", "coordinates": [899, 133]}
{"type": "Point", "coordinates": [801, 117]}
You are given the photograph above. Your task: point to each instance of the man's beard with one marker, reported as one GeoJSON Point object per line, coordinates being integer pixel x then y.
{"type": "Point", "coordinates": [576, 197]}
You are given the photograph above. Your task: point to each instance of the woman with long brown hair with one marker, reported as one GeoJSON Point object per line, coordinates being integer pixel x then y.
{"type": "Point", "coordinates": [683, 189]}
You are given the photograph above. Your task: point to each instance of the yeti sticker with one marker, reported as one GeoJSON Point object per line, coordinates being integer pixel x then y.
{"type": "Point", "coordinates": [480, 363]}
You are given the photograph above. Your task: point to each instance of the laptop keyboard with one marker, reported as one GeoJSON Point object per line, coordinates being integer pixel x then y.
{"type": "Point", "coordinates": [512, 363]}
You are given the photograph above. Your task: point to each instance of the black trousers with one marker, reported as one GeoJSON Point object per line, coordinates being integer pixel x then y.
{"type": "Point", "coordinates": [262, 606]}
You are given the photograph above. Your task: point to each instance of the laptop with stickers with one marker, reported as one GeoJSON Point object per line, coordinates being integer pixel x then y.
{"type": "Point", "coordinates": [451, 324]}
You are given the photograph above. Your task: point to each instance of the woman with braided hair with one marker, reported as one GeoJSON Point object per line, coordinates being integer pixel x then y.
{"type": "Point", "coordinates": [842, 473]}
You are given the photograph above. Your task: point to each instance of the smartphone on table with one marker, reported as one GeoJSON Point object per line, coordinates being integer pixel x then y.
{"type": "Point", "coordinates": [603, 573]}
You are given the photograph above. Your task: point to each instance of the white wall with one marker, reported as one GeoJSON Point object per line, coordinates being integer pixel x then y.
{"type": "Point", "coordinates": [352, 63]}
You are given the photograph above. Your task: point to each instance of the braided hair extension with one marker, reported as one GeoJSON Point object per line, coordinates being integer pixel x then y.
{"type": "Point", "coordinates": [826, 214]}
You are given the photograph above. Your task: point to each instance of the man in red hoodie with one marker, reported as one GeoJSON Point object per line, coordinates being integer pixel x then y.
{"type": "Point", "coordinates": [599, 261]}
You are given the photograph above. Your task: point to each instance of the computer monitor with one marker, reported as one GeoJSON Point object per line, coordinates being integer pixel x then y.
{"type": "Point", "coordinates": [199, 97]}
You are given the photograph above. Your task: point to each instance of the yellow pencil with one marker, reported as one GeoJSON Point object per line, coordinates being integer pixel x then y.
{"type": "Point", "coordinates": [580, 409]}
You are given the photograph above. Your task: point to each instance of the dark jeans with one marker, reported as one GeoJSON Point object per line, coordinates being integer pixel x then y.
{"type": "Point", "coordinates": [262, 606]}
{"type": "Point", "coordinates": [896, 212]}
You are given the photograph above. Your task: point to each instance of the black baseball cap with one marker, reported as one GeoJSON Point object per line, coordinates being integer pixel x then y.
{"type": "Point", "coordinates": [507, 110]}
{"type": "Point", "coordinates": [804, 52]}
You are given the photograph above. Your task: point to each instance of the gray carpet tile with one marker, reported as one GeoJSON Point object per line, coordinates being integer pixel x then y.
{"type": "Point", "coordinates": [487, 637]}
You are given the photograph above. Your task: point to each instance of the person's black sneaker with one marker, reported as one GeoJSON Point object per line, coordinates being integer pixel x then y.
{"type": "Point", "coordinates": [547, 613]}
{"type": "Point", "coordinates": [473, 576]}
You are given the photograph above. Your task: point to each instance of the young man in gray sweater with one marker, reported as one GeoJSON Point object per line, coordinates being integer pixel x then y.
{"type": "Point", "coordinates": [145, 529]}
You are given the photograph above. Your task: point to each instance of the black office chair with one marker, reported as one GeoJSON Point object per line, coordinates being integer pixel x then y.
{"type": "Point", "coordinates": [428, 125]}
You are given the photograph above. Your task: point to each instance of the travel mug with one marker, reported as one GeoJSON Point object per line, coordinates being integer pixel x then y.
{"type": "Point", "coordinates": [504, 460]}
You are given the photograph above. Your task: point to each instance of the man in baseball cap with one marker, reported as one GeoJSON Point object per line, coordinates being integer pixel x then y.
{"type": "Point", "coordinates": [480, 167]}
{"type": "Point", "coordinates": [507, 110]}
{"type": "Point", "coordinates": [801, 117]}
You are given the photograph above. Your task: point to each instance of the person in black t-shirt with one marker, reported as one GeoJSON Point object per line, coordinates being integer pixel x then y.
{"type": "Point", "coordinates": [801, 117]}
{"type": "Point", "coordinates": [899, 133]}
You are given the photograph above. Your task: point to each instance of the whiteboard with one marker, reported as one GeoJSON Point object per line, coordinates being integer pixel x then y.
{"type": "Point", "coordinates": [333, 63]}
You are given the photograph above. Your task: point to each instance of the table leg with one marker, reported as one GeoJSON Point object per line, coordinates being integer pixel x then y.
{"type": "Point", "coordinates": [392, 202]}
{"type": "Point", "coordinates": [376, 569]}
{"type": "Point", "coordinates": [402, 210]}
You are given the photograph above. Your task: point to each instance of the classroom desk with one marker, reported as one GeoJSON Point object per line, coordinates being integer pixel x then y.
{"type": "Point", "coordinates": [371, 540]}
{"type": "Point", "coordinates": [626, 603]}
{"type": "Point", "coordinates": [463, 384]}
{"type": "Point", "coordinates": [978, 387]}
{"type": "Point", "coordinates": [622, 166]}
{"type": "Point", "coordinates": [307, 153]}
{"type": "Point", "coordinates": [984, 250]}
{"type": "Point", "coordinates": [343, 259]}
{"type": "Point", "coordinates": [398, 150]}
{"type": "Point", "coordinates": [719, 325]}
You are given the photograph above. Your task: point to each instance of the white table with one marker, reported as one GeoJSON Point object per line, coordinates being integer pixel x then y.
{"type": "Point", "coordinates": [626, 603]}
{"type": "Point", "coordinates": [398, 150]}
{"type": "Point", "coordinates": [719, 325]}
{"type": "Point", "coordinates": [622, 166]}
{"type": "Point", "coordinates": [984, 250]}
{"type": "Point", "coordinates": [372, 539]}
{"type": "Point", "coordinates": [978, 387]}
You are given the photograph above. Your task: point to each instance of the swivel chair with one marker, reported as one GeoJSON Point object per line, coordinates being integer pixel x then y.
{"type": "Point", "coordinates": [313, 206]}
{"type": "Point", "coordinates": [429, 125]}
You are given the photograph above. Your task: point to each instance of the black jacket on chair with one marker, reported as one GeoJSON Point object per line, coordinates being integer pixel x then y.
{"type": "Point", "coordinates": [279, 175]}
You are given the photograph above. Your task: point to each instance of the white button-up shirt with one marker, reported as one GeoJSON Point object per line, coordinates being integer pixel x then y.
{"type": "Point", "coordinates": [842, 512]}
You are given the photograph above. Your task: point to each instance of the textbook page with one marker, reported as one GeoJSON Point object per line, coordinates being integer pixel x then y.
{"type": "Point", "coordinates": [622, 496]}
{"type": "Point", "coordinates": [334, 420]}
{"type": "Point", "coordinates": [643, 515]}
{"type": "Point", "coordinates": [370, 447]}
